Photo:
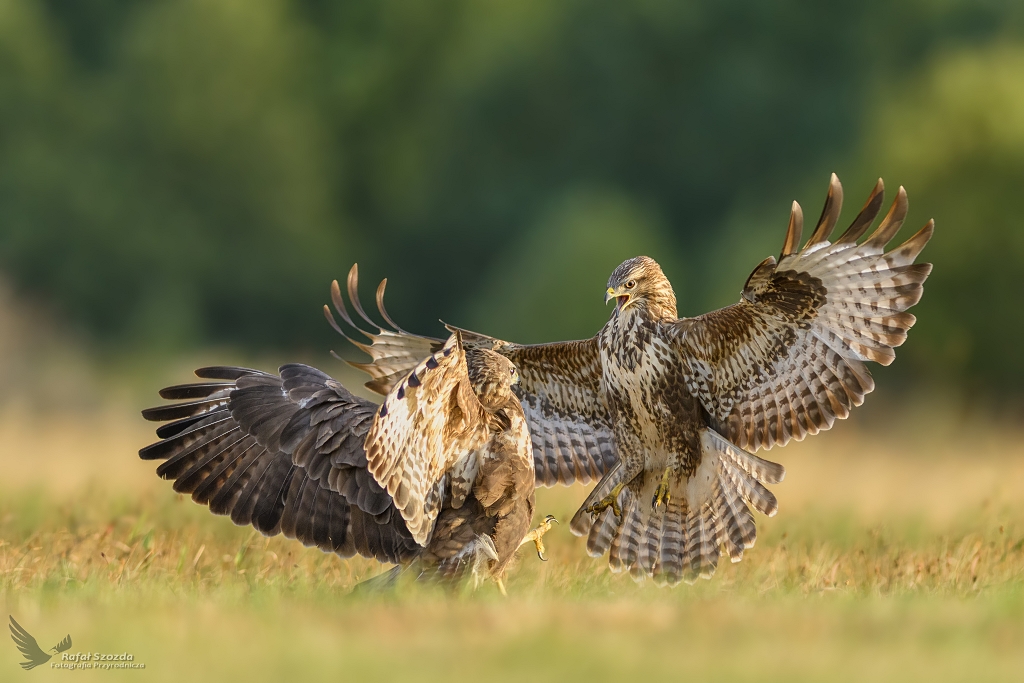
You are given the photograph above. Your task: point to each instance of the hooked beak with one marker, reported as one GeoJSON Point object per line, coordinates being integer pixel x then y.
{"type": "Point", "coordinates": [621, 299]}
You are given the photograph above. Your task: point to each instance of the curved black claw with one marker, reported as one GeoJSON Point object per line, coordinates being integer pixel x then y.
{"type": "Point", "coordinates": [537, 536]}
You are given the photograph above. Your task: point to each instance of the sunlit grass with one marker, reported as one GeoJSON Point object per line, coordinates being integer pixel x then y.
{"type": "Point", "coordinates": [893, 557]}
{"type": "Point", "coordinates": [96, 546]}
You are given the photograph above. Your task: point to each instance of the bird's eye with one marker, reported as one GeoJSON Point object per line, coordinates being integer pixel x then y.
{"type": "Point", "coordinates": [631, 284]}
{"type": "Point", "coordinates": [512, 372]}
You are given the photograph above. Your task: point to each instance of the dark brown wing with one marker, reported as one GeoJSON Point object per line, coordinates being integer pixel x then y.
{"type": "Point", "coordinates": [560, 387]}
{"type": "Point", "coordinates": [282, 453]}
{"type": "Point", "coordinates": [788, 359]}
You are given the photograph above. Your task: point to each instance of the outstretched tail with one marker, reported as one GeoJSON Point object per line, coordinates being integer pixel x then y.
{"type": "Point", "coordinates": [706, 516]}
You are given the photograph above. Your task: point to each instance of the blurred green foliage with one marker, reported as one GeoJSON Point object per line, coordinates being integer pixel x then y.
{"type": "Point", "coordinates": [176, 173]}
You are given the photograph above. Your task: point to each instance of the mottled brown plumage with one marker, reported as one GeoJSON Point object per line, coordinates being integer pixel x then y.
{"type": "Point", "coordinates": [440, 475]}
{"type": "Point", "coordinates": [667, 409]}
{"type": "Point", "coordinates": [569, 424]}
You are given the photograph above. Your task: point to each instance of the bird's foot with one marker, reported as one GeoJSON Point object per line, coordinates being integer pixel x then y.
{"type": "Point", "coordinates": [537, 536]}
{"type": "Point", "coordinates": [662, 494]}
{"type": "Point", "coordinates": [609, 501]}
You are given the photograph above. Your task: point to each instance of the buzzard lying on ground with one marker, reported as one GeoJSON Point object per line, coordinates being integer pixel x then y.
{"type": "Point", "coordinates": [441, 473]}
{"type": "Point", "coordinates": [667, 410]}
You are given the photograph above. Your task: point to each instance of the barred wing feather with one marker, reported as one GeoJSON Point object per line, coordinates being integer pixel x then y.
{"type": "Point", "coordinates": [788, 359]}
{"type": "Point", "coordinates": [283, 453]}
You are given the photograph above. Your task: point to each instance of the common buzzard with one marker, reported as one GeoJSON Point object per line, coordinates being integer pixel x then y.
{"type": "Point", "coordinates": [439, 475]}
{"type": "Point", "coordinates": [668, 410]}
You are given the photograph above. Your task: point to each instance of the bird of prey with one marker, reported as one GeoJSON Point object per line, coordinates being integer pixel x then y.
{"type": "Point", "coordinates": [34, 655]}
{"type": "Point", "coordinates": [669, 410]}
{"type": "Point", "coordinates": [440, 475]}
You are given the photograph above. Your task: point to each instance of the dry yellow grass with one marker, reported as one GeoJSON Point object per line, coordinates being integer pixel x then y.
{"type": "Point", "coordinates": [895, 555]}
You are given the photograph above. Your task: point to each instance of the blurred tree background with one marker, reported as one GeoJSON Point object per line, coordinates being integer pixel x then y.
{"type": "Point", "coordinates": [176, 174]}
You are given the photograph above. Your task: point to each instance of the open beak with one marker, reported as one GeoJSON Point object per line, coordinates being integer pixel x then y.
{"type": "Point", "coordinates": [621, 300]}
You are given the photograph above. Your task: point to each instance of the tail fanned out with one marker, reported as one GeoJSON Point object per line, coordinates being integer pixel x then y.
{"type": "Point", "coordinates": [709, 514]}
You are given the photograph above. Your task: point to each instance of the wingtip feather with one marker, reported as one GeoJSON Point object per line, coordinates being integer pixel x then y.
{"type": "Point", "coordinates": [794, 231]}
{"type": "Point", "coordinates": [829, 212]}
{"type": "Point", "coordinates": [890, 225]}
{"type": "Point", "coordinates": [867, 215]}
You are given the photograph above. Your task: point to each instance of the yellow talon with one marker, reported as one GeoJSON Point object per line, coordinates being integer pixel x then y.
{"type": "Point", "coordinates": [609, 501]}
{"type": "Point", "coordinates": [537, 536]}
{"type": "Point", "coordinates": [662, 494]}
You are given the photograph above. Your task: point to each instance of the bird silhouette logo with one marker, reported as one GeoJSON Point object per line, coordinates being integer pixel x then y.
{"type": "Point", "coordinates": [34, 655]}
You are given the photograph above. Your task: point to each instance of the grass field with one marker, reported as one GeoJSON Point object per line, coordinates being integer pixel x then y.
{"type": "Point", "coordinates": [896, 555]}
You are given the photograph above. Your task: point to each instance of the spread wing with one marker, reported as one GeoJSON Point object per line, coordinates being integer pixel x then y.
{"type": "Point", "coordinates": [788, 359]}
{"type": "Point", "coordinates": [430, 424]}
{"type": "Point", "coordinates": [282, 453]}
{"type": "Point", "coordinates": [559, 388]}
{"type": "Point", "coordinates": [27, 645]}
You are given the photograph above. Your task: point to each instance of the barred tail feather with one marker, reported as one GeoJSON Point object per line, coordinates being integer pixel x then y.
{"type": "Point", "coordinates": [711, 539]}
{"type": "Point", "coordinates": [739, 523]}
{"type": "Point", "coordinates": [708, 515]}
{"type": "Point", "coordinates": [602, 534]}
{"type": "Point", "coordinates": [626, 545]}
{"type": "Point", "coordinates": [691, 550]}
{"type": "Point", "coordinates": [669, 570]}
{"type": "Point", "coordinates": [650, 548]}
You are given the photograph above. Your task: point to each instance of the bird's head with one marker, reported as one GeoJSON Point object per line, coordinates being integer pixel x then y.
{"type": "Point", "coordinates": [491, 375]}
{"type": "Point", "coordinates": [640, 283]}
